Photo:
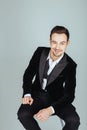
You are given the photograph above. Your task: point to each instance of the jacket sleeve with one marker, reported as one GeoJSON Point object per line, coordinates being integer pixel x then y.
{"type": "Point", "coordinates": [69, 89]}
{"type": "Point", "coordinates": [30, 72]}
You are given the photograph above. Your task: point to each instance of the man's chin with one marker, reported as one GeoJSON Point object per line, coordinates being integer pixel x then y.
{"type": "Point", "coordinates": [57, 55]}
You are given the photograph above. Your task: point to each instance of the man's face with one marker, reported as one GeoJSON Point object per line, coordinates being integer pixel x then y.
{"type": "Point", "coordinates": [58, 44]}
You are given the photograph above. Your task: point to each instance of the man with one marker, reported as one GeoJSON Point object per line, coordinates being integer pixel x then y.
{"type": "Point", "coordinates": [49, 84]}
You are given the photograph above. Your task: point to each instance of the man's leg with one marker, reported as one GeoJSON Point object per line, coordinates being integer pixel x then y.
{"type": "Point", "coordinates": [26, 113]}
{"type": "Point", "coordinates": [70, 116]}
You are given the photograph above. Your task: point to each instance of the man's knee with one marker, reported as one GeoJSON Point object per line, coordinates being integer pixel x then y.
{"type": "Point", "coordinates": [74, 121]}
{"type": "Point", "coordinates": [24, 112]}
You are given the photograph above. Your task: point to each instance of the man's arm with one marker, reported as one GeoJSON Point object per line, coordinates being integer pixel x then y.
{"type": "Point", "coordinates": [69, 89]}
{"type": "Point", "coordinates": [30, 72]}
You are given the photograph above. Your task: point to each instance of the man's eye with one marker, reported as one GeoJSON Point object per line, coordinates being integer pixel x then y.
{"type": "Point", "coordinates": [62, 43]}
{"type": "Point", "coordinates": [53, 42]}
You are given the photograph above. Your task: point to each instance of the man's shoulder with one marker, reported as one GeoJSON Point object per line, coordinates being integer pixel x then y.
{"type": "Point", "coordinates": [43, 48]}
{"type": "Point", "coordinates": [70, 60]}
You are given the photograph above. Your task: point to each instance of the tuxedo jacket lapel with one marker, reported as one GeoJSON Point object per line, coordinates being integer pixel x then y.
{"type": "Point", "coordinates": [42, 63]}
{"type": "Point", "coordinates": [57, 69]}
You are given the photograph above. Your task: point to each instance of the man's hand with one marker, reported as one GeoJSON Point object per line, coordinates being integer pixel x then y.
{"type": "Point", "coordinates": [27, 100]}
{"type": "Point", "coordinates": [44, 114]}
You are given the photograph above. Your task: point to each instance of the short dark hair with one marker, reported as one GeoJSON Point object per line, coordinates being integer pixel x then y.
{"type": "Point", "coordinates": [60, 30]}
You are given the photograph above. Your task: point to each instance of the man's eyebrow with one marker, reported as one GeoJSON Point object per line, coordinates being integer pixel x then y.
{"type": "Point", "coordinates": [56, 41]}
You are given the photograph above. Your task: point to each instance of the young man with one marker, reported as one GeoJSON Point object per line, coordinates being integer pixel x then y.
{"type": "Point", "coordinates": [49, 84]}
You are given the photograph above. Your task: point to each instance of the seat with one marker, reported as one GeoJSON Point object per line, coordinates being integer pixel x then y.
{"type": "Point", "coordinates": [53, 123]}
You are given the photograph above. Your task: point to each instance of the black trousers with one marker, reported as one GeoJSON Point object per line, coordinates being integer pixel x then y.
{"type": "Point", "coordinates": [43, 100]}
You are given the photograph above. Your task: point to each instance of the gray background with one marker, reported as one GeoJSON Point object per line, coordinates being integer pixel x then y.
{"type": "Point", "coordinates": [24, 25]}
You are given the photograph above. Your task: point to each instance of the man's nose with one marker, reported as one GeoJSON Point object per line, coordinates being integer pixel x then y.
{"type": "Point", "coordinates": [57, 46]}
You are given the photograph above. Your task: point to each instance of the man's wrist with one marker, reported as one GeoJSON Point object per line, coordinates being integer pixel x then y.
{"type": "Point", "coordinates": [53, 111]}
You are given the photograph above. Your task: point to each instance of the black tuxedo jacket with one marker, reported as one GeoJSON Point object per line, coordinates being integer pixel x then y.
{"type": "Point", "coordinates": [61, 82]}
